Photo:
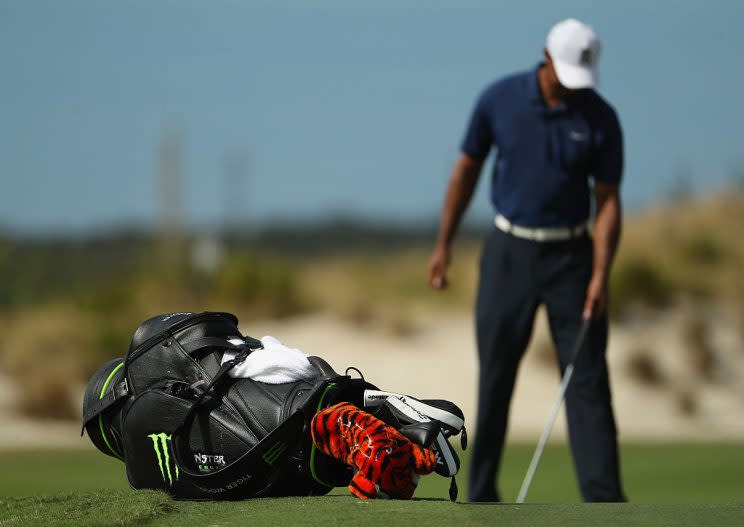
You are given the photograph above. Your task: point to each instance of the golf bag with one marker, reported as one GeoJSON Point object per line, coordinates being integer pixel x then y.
{"type": "Point", "coordinates": [180, 423]}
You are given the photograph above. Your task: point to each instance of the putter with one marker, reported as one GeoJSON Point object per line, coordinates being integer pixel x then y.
{"type": "Point", "coordinates": [554, 412]}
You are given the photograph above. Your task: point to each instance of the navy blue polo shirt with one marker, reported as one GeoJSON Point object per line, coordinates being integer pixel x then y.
{"type": "Point", "coordinates": [544, 156]}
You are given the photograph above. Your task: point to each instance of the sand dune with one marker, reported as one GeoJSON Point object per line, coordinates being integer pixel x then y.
{"type": "Point", "coordinates": [671, 401]}
{"type": "Point", "coordinates": [439, 360]}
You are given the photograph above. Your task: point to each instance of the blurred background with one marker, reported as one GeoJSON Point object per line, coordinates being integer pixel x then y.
{"type": "Point", "coordinates": [288, 163]}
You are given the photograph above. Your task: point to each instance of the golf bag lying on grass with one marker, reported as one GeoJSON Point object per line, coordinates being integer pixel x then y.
{"type": "Point", "coordinates": [181, 423]}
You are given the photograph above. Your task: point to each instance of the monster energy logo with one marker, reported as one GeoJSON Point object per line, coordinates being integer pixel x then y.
{"type": "Point", "coordinates": [272, 454]}
{"type": "Point", "coordinates": [160, 444]}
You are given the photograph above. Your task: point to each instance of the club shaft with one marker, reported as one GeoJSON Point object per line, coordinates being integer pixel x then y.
{"type": "Point", "coordinates": [545, 435]}
{"type": "Point", "coordinates": [553, 413]}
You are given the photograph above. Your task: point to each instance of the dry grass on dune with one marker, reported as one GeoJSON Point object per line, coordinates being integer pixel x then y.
{"type": "Point", "coordinates": [689, 248]}
{"type": "Point", "coordinates": [48, 352]}
{"type": "Point", "coordinates": [388, 288]}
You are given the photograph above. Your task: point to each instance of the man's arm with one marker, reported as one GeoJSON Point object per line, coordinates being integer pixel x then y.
{"type": "Point", "coordinates": [607, 226]}
{"type": "Point", "coordinates": [459, 191]}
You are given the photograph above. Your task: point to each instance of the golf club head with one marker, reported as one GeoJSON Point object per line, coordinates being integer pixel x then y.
{"type": "Point", "coordinates": [447, 413]}
{"type": "Point", "coordinates": [405, 415]}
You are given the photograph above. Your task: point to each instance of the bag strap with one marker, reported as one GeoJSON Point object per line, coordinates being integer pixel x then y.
{"type": "Point", "coordinates": [255, 472]}
{"type": "Point", "coordinates": [307, 408]}
{"type": "Point", "coordinates": [245, 350]}
{"type": "Point", "coordinates": [219, 342]}
{"type": "Point", "coordinates": [117, 394]}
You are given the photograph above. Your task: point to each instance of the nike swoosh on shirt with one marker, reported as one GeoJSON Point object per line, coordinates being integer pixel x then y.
{"type": "Point", "coordinates": [578, 136]}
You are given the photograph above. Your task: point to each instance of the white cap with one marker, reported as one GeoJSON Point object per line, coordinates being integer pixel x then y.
{"type": "Point", "coordinates": [574, 48]}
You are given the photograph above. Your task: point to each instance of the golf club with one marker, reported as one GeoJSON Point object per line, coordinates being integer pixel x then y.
{"type": "Point", "coordinates": [554, 412]}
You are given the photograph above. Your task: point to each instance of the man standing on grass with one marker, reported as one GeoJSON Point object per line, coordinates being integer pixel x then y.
{"type": "Point", "coordinates": [557, 143]}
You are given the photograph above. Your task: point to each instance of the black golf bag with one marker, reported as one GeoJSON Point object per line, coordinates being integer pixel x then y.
{"type": "Point", "coordinates": [180, 423]}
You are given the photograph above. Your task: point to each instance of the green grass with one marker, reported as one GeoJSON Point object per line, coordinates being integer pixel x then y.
{"type": "Point", "coordinates": [152, 508]}
{"type": "Point", "coordinates": [671, 484]}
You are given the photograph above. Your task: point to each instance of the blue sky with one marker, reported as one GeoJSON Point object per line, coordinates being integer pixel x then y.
{"type": "Point", "coordinates": [339, 108]}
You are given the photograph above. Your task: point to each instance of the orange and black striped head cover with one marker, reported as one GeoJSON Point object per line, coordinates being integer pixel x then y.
{"type": "Point", "coordinates": [387, 463]}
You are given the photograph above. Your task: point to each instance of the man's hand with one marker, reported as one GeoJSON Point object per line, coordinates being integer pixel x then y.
{"type": "Point", "coordinates": [596, 298]}
{"type": "Point", "coordinates": [606, 236]}
{"type": "Point", "coordinates": [438, 264]}
{"type": "Point", "coordinates": [459, 191]}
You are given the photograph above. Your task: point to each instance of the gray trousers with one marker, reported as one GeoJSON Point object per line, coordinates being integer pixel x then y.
{"type": "Point", "coordinates": [516, 276]}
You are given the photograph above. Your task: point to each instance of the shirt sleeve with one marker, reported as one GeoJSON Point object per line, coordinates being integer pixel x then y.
{"type": "Point", "coordinates": [478, 136]}
{"type": "Point", "coordinates": [608, 167]}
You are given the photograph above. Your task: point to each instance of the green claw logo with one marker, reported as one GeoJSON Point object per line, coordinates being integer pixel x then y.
{"type": "Point", "coordinates": [271, 455]}
{"type": "Point", "coordinates": [160, 443]}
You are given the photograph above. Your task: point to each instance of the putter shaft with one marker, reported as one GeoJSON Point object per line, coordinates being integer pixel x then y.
{"type": "Point", "coordinates": [553, 412]}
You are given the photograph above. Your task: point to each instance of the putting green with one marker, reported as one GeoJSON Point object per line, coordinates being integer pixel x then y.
{"type": "Point", "coordinates": [122, 507]}
{"type": "Point", "coordinates": [667, 484]}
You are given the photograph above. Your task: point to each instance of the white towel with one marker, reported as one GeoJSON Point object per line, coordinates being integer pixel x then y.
{"type": "Point", "coordinates": [275, 363]}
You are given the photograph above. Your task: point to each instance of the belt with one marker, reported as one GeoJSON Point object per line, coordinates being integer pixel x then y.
{"type": "Point", "coordinates": [541, 234]}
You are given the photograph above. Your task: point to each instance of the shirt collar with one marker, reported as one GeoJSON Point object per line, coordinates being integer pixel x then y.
{"type": "Point", "coordinates": [533, 90]}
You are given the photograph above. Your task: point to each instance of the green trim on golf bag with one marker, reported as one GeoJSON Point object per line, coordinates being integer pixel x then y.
{"type": "Point", "coordinates": [100, 416]}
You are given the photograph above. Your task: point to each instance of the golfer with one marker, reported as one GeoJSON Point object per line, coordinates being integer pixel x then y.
{"type": "Point", "coordinates": [555, 190]}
